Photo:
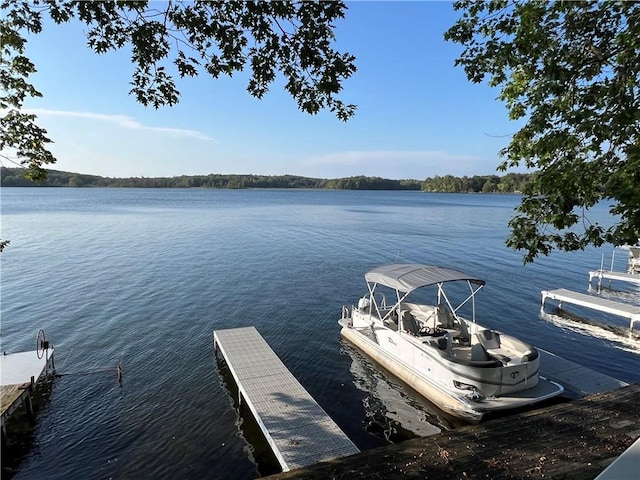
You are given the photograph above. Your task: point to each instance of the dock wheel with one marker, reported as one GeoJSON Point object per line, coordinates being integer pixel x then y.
{"type": "Point", "coordinates": [41, 343]}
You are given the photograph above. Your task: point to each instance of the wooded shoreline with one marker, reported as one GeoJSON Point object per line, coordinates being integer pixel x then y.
{"type": "Point", "coordinates": [510, 183]}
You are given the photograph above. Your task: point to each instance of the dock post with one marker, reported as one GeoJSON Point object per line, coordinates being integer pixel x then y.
{"type": "Point", "coordinates": [28, 404]}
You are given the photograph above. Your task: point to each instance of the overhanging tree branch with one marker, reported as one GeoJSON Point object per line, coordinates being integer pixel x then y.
{"type": "Point", "coordinates": [572, 70]}
{"type": "Point", "coordinates": [217, 33]}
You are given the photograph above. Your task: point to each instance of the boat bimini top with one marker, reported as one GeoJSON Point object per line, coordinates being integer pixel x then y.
{"type": "Point", "coordinates": [404, 278]}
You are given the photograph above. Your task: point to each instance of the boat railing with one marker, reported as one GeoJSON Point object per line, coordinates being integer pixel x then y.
{"type": "Point", "coordinates": [346, 312]}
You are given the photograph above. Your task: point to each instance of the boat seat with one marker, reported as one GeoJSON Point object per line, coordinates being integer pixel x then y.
{"type": "Point", "coordinates": [444, 344]}
{"type": "Point", "coordinates": [409, 323]}
{"type": "Point", "coordinates": [464, 337]}
{"type": "Point", "coordinates": [443, 318]}
{"type": "Point", "coordinates": [478, 353]}
{"type": "Point", "coordinates": [490, 340]}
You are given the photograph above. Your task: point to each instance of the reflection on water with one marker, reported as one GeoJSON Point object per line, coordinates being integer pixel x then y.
{"type": "Point", "coordinates": [19, 429]}
{"type": "Point", "coordinates": [393, 411]}
{"type": "Point", "coordinates": [615, 336]}
{"type": "Point", "coordinates": [146, 275]}
{"type": "Point", "coordinates": [630, 295]}
{"type": "Point", "coordinates": [257, 448]}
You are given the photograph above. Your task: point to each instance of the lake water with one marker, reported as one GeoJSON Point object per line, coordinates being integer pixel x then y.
{"type": "Point", "coordinates": [145, 276]}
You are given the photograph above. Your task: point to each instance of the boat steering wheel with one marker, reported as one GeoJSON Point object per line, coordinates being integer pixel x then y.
{"type": "Point", "coordinates": [426, 330]}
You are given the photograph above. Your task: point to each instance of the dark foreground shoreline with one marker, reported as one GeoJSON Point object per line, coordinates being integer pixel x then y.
{"type": "Point", "coordinates": [574, 440]}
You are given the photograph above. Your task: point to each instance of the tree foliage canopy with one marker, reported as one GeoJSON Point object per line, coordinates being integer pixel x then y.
{"type": "Point", "coordinates": [571, 71]}
{"type": "Point", "coordinates": [181, 38]}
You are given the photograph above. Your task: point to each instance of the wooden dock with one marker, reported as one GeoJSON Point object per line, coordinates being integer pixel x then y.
{"type": "Point", "coordinates": [609, 275]}
{"type": "Point", "coordinates": [298, 430]}
{"type": "Point", "coordinates": [575, 440]}
{"type": "Point", "coordinates": [19, 374]}
{"type": "Point", "coordinates": [626, 310]}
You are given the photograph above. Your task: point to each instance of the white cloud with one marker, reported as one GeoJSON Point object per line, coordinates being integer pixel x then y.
{"type": "Point", "coordinates": [121, 121]}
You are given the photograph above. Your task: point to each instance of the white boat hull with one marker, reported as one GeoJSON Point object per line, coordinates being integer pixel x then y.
{"type": "Point", "coordinates": [433, 386]}
{"type": "Point", "coordinates": [444, 400]}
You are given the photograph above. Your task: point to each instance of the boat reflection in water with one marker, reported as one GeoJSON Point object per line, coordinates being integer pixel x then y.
{"type": "Point", "coordinates": [393, 410]}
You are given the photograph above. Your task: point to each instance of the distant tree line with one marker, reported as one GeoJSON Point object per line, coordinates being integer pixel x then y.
{"type": "Point", "coordinates": [510, 183]}
{"type": "Point", "coordinates": [14, 177]}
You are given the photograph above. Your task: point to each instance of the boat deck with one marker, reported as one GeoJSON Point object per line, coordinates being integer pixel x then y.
{"type": "Point", "coordinates": [626, 310]}
{"type": "Point", "coordinates": [620, 276]}
{"type": "Point", "coordinates": [298, 430]}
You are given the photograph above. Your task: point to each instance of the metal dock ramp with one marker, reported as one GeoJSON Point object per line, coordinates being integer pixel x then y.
{"type": "Point", "coordinates": [298, 430]}
{"type": "Point", "coordinates": [626, 310]}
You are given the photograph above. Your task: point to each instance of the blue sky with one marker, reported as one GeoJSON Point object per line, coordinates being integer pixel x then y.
{"type": "Point", "coordinates": [417, 116]}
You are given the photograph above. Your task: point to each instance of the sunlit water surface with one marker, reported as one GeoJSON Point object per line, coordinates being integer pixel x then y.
{"type": "Point", "coordinates": [143, 277]}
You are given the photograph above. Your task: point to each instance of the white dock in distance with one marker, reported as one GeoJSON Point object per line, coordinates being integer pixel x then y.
{"type": "Point", "coordinates": [609, 275]}
{"type": "Point", "coordinates": [298, 430]}
{"type": "Point", "coordinates": [626, 310]}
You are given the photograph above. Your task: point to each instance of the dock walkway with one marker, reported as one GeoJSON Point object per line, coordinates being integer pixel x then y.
{"type": "Point", "coordinates": [576, 440]}
{"type": "Point", "coordinates": [19, 372]}
{"type": "Point", "coordinates": [609, 275]}
{"type": "Point", "coordinates": [298, 430]}
{"type": "Point", "coordinates": [626, 310]}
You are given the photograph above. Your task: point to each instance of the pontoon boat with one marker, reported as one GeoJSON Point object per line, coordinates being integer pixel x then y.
{"type": "Point", "coordinates": [464, 368]}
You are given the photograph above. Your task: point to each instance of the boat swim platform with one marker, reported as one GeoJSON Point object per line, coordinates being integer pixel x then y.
{"type": "Point", "coordinates": [609, 275]}
{"type": "Point", "coordinates": [19, 374]}
{"type": "Point", "coordinates": [626, 310]}
{"type": "Point", "coordinates": [298, 430]}
{"type": "Point", "coordinates": [578, 439]}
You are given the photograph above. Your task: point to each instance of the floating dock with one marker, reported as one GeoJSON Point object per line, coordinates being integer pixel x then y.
{"type": "Point", "coordinates": [19, 374]}
{"type": "Point", "coordinates": [626, 310]}
{"type": "Point", "coordinates": [575, 378]}
{"type": "Point", "coordinates": [298, 430]}
{"type": "Point", "coordinates": [576, 440]}
{"type": "Point", "coordinates": [609, 275]}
